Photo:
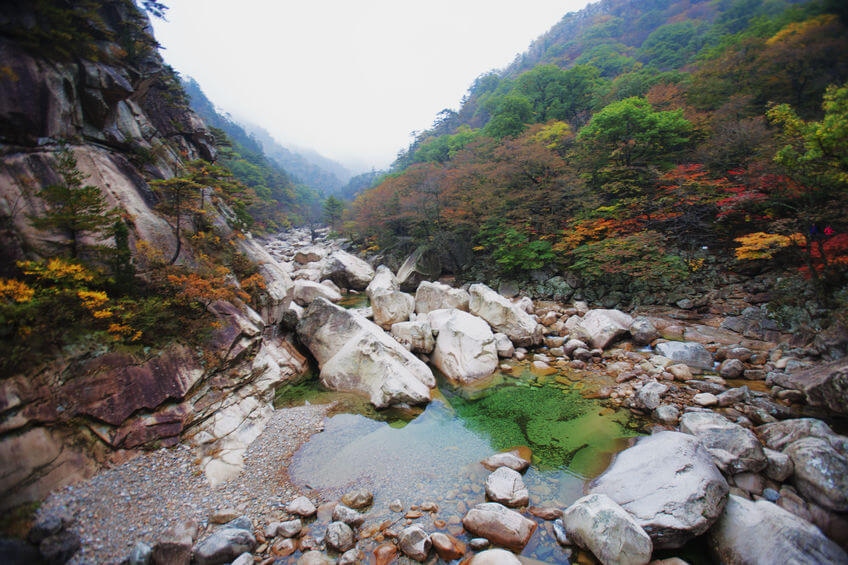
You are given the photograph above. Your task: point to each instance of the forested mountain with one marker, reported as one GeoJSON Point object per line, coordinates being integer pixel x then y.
{"type": "Point", "coordinates": [643, 146]}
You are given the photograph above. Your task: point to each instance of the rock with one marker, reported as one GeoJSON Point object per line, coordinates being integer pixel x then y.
{"type": "Point", "coordinates": [506, 459]}
{"type": "Point", "coordinates": [240, 523]}
{"type": "Point", "coordinates": [752, 483]}
{"type": "Point", "coordinates": [669, 483]}
{"type": "Point", "coordinates": [643, 331]}
{"type": "Point", "coordinates": [48, 524]}
{"type": "Point", "coordinates": [668, 414]}
{"type": "Point", "coordinates": [680, 371]}
{"type": "Point", "coordinates": [339, 536]}
{"type": "Point", "coordinates": [705, 399]}
{"type": "Point", "coordinates": [416, 336]}
{"type": "Point", "coordinates": [351, 557]}
{"type": "Point", "coordinates": [415, 543]}
{"type": "Point", "coordinates": [306, 291]}
{"type": "Point", "coordinates": [301, 506]}
{"type": "Point", "coordinates": [824, 384]}
{"type": "Point", "coordinates": [384, 281]}
{"type": "Point", "coordinates": [423, 264]}
{"type": "Point", "coordinates": [650, 395]}
{"type": "Point", "coordinates": [504, 316]}
{"type": "Point", "coordinates": [600, 328]}
{"type": "Point", "coordinates": [60, 547]}
{"type": "Point", "coordinates": [560, 534]}
{"type": "Point", "coordinates": [581, 354]}
{"type": "Point", "coordinates": [762, 532]}
{"type": "Point", "coordinates": [504, 346]}
{"type": "Point", "coordinates": [223, 546]}
{"type": "Point", "coordinates": [390, 307]}
{"type": "Point", "coordinates": [385, 553]}
{"type": "Point", "coordinates": [595, 522]}
{"type": "Point", "coordinates": [174, 547]}
{"type": "Point", "coordinates": [731, 368]}
{"type": "Point", "coordinates": [691, 353]}
{"type": "Point", "coordinates": [821, 472]}
{"type": "Point", "coordinates": [778, 435]}
{"type": "Point", "coordinates": [223, 515]}
{"type": "Point", "coordinates": [349, 516]}
{"type": "Point", "coordinates": [499, 525]}
{"type": "Point", "coordinates": [732, 396]}
{"type": "Point", "coordinates": [465, 349]}
{"type": "Point", "coordinates": [314, 557]}
{"type": "Point", "coordinates": [495, 557]}
{"type": "Point", "coordinates": [243, 559]}
{"type": "Point", "coordinates": [545, 513]}
{"type": "Point", "coordinates": [289, 528]}
{"type": "Point", "coordinates": [396, 505]}
{"type": "Point", "coordinates": [141, 554]}
{"type": "Point", "coordinates": [718, 433]}
{"type": "Point", "coordinates": [447, 547]}
{"type": "Point", "coordinates": [15, 551]}
{"type": "Point", "coordinates": [356, 355]}
{"type": "Point", "coordinates": [358, 499]}
{"type": "Point", "coordinates": [437, 296]}
{"type": "Point", "coordinates": [507, 487]}
{"type": "Point", "coordinates": [570, 346]}
{"type": "Point", "coordinates": [779, 466]}
{"type": "Point", "coordinates": [311, 254]}
{"type": "Point", "coordinates": [347, 271]}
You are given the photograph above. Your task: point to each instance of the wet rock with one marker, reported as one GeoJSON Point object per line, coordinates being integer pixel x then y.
{"type": "Point", "coordinates": [643, 331]}
{"type": "Point", "coordinates": [600, 328]}
{"type": "Point", "coordinates": [289, 528]}
{"type": "Point", "coordinates": [416, 336]}
{"type": "Point", "coordinates": [384, 281]}
{"type": "Point", "coordinates": [391, 307]}
{"type": "Point", "coordinates": [545, 513]}
{"type": "Point", "coordinates": [779, 466]}
{"type": "Point", "coordinates": [692, 354]}
{"type": "Point", "coordinates": [301, 506]}
{"type": "Point", "coordinates": [385, 553]}
{"type": "Point", "coordinates": [436, 296]}
{"type": "Point", "coordinates": [821, 472]}
{"type": "Point", "coordinates": [396, 505]}
{"type": "Point", "coordinates": [762, 532]}
{"type": "Point", "coordinates": [732, 396]}
{"type": "Point", "coordinates": [174, 547]}
{"type": "Point", "coordinates": [504, 346]}
{"type": "Point", "coordinates": [560, 534]}
{"type": "Point", "coordinates": [504, 316]}
{"type": "Point", "coordinates": [668, 414]}
{"type": "Point", "coordinates": [650, 395]}
{"type": "Point", "coordinates": [244, 559]}
{"type": "Point", "coordinates": [495, 557]}
{"type": "Point", "coordinates": [499, 525]}
{"type": "Point", "coordinates": [731, 368]}
{"type": "Point", "coordinates": [60, 547]}
{"type": "Point", "coordinates": [358, 499]}
{"type": "Point", "coordinates": [306, 291]}
{"type": "Point", "coordinates": [447, 547]}
{"type": "Point", "coordinates": [349, 516]}
{"type": "Point", "coordinates": [597, 523]}
{"type": "Point", "coordinates": [705, 399]}
{"type": "Point", "coordinates": [223, 546]}
{"type": "Point", "coordinates": [669, 483]}
{"type": "Point", "coordinates": [347, 271]}
{"type": "Point", "coordinates": [415, 543]}
{"type": "Point", "coordinates": [339, 536]}
{"type": "Point", "coordinates": [505, 459]}
{"type": "Point", "coordinates": [718, 433]}
{"type": "Point", "coordinates": [351, 557]}
{"type": "Point", "coordinates": [507, 487]}
{"type": "Point", "coordinates": [314, 557]}
{"type": "Point", "coordinates": [465, 349]}
{"type": "Point", "coordinates": [478, 544]}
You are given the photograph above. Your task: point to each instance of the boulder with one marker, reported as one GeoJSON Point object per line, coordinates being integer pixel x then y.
{"type": "Point", "coordinates": [731, 368]}
{"type": "Point", "coordinates": [824, 384]}
{"type": "Point", "coordinates": [384, 281]}
{"type": "Point", "coordinates": [718, 433]}
{"type": "Point", "coordinates": [390, 307]}
{"type": "Point", "coordinates": [507, 487]}
{"type": "Point", "coordinates": [506, 459]}
{"type": "Point", "coordinates": [309, 254]}
{"type": "Point", "coordinates": [349, 516]}
{"type": "Point", "coordinates": [447, 547]}
{"type": "Point", "coordinates": [415, 543]}
{"type": "Point", "coordinates": [650, 395]}
{"type": "Point", "coordinates": [669, 483]}
{"type": "Point", "coordinates": [602, 327]}
{"type": "Point", "coordinates": [504, 346]}
{"type": "Point", "coordinates": [595, 522]}
{"type": "Point", "coordinates": [358, 499]}
{"type": "Point", "coordinates": [691, 353]}
{"type": "Point", "coordinates": [175, 545]}
{"type": "Point", "coordinates": [435, 296]}
{"type": "Point", "coordinates": [306, 291]}
{"type": "Point", "coordinates": [339, 536]}
{"type": "Point", "coordinates": [821, 472]}
{"type": "Point", "coordinates": [301, 506]}
{"type": "Point", "coordinates": [762, 532]}
{"type": "Point", "coordinates": [416, 336]}
{"type": "Point", "coordinates": [465, 349]}
{"type": "Point", "coordinates": [504, 316]}
{"type": "Point", "coordinates": [495, 557]}
{"type": "Point", "coordinates": [223, 546]}
{"type": "Point", "coordinates": [668, 414]}
{"type": "Point", "coordinates": [499, 525]}
{"type": "Point", "coordinates": [347, 271]}
{"type": "Point", "coordinates": [422, 265]}
{"type": "Point", "coordinates": [354, 354]}
{"type": "Point", "coordinates": [643, 331]}
{"type": "Point", "coordinates": [777, 435]}
{"type": "Point", "coordinates": [779, 466]}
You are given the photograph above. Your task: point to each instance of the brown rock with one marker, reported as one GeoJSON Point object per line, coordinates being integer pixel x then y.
{"type": "Point", "coordinates": [448, 547]}
{"type": "Point", "coordinates": [385, 553]}
{"type": "Point", "coordinates": [284, 547]}
{"type": "Point", "coordinates": [499, 525]}
{"type": "Point", "coordinates": [545, 513]}
{"type": "Point", "coordinates": [174, 548]}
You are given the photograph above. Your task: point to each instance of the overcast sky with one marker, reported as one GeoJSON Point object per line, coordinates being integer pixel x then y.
{"type": "Point", "coordinates": [349, 78]}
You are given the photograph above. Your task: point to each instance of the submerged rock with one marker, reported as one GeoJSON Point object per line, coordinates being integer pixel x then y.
{"type": "Point", "coordinates": [595, 522]}
{"type": "Point", "coordinates": [507, 487]}
{"type": "Point", "coordinates": [495, 557]}
{"type": "Point", "coordinates": [415, 543]}
{"type": "Point", "coordinates": [505, 459]}
{"type": "Point", "coordinates": [499, 525]}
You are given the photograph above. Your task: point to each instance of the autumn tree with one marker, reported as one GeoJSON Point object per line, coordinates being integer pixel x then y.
{"type": "Point", "coordinates": [179, 195]}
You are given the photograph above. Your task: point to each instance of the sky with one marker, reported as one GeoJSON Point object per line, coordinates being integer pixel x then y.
{"type": "Point", "coordinates": [351, 79]}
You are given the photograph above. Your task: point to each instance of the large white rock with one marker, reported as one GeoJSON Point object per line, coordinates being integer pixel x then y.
{"type": "Point", "coordinates": [354, 354]}
{"type": "Point", "coordinates": [435, 296]}
{"type": "Point", "coordinates": [384, 280]}
{"type": "Point", "coordinates": [438, 318]}
{"type": "Point", "coordinates": [670, 485]}
{"type": "Point", "coordinates": [595, 522]}
{"type": "Point", "coordinates": [507, 487]}
{"type": "Point", "coordinates": [504, 316]}
{"type": "Point", "coordinates": [306, 291]}
{"type": "Point", "coordinates": [347, 271]}
{"type": "Point", "coordinates": [416, 336]}
{"type": "Point", "coordinates": [390, 307]}
{"type": "Point", "coordinates": [734, 449]}
{"type": "Point", "coordinates": [601, 327]}
{"type": "Point", "coordinates": [690, 353]}
{"type": "Point", "coordinates": [764, 533]}
{"type": "Point", "coordinates": [465, 349]}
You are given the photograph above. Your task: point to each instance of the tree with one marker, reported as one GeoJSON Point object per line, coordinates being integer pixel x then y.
{"type": "Point", "coordinates": [73, 207]}
{"type": "Point", "coordinates": [512, 113]}
{"type": "Point", "coordinates": [178, 196]}
{"type": "Point", "coordinates": [333, 208]}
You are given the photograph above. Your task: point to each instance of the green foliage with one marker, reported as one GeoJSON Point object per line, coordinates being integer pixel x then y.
{"type": "Point", "coordinates": [444, 147]}
{"type": "Point", "coordinates": [333, 208]}
{"type": "Point", "coordinates": [609, 58]}
{"type": "Point", "coordinates": [514, 251]}
{"type": "Point", "coordinates": [511, 114]}
{"type": "Point", "coordinates": [672, 45]}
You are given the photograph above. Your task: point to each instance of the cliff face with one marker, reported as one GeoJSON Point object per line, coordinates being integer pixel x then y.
{"type": "Point", "coordinates": [87, 75]}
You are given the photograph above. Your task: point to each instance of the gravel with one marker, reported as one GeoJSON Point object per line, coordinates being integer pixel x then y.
{"type": "Point", "coordinates": [139, 499]}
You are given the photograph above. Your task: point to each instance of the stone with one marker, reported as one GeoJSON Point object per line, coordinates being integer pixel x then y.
{"type": "Point", "coordinates": [650, 395]}
{"type": "Point", "coordinates": [691, 353]}
{"type": "Point", "coordinates": [824, 384]}
{"type": "Point", "coordinates": [495, 557]}
{"type": "Point", "coordinates": [314, 557]}
{"type": "Point", "coordinates": [385, 553]}
{"type": "Point", "coordinates": [339, 536]}
{"type": "Point", "coordinates": [731, 368]}
{"type": "Point", "coordinates": [600, 328]}
{"type": "Point", "coordinates": [423, 264]}
{"type": "Point", "coordinates": [349, 516]}
{"type": "Point", "coordinates": [306, 291]}
{"type": "Point", "coordinates": [681, 371]}
{"type": "Point", "coordinates": [545, 513]}
{"type": "Point", "coordinates": [717, 432]}
{"type": "Point", "coordinates": [752, 483]}
{"type": "Point", "coordinates": [301, 506]}
{"type": "Point", "coordinates": [384, 281]}
{"type": "Point", "coordinates": [437, 296]}
{"type": "Point", "coordinates": [311, 254]}
{"type": "Point", "coordinates": [762, 532]}
{"type": "Point", "coordinates": [416, 336]}
{"type": "Point", "coordinates": [240, 523]}
{"type": "Point", "coordinates": [668, 414]}
{"type": "Point", "coordinates": [504, 316]}
{"type": "Point", "coordinates": [570, 346]}
{"type": "Point", "coordinates": [500, 525]}
{"type": "Point", "coordinates": [779, 466]}
{"type": "Point", "coordinates": [465, 348]}
{"type": "Point", "coordinates": [705, 399]}
{"type": "Point", "coordinates": [390, 307]}
{"type": "Point", "coordinates": [821, 472]}
{"type": "Point", "coordinates": [223, 546]}
{"type": "Point", "coordinates": [396, 505]}
{"type": "Point", "coordinates": [560, 533]}
{"type": "Point", "coordinates": [504, 346]}
{"type": "Point", "coordinates": [643, 331]}
{"type": "Point", "coordinates": [447, 547]}
{"type": "Point", "coordinates": [358, 499]}
{"type": "Point", "coordinates": [778, 435]}
{"type": "Point", "coordinates": [347, 271]}
{"type": "Point", "coordinates": [355, 355]}
{"type": "Point", "coordinates": [507, 487]}
{"type": "Point", "coordinates": [732, 396]}
{"type": "Point", "coordinates": [223, 515]}
{"type": "Point", "coordinates": [669, 483]}
{"type": "Point", "coordinates": [506, 459]}
{"type": "Point", "coordinates": [141, 554]}
{"type": "Point", "coordinates": [243, 559]}
{"type": "Point", "coordinates": [289, 528]}
{"type": "Point", "coordinates": [174, 547]}
{"type": "Point", "coordinates": [741, 353]}
{"type": "Point", "coordinates": [595, 522]}
{"type": "Point", "coordinates": [351, 557]}
{"type": "Point", "coordinates": [60, 547]}
{"type": "Point", "coordinates": [414, 543]}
